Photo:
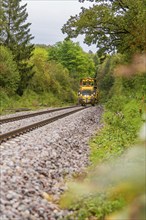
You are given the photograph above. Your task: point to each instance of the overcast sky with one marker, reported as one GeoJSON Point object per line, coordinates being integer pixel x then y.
{"type": "Point", "coordinates": [47, 18]}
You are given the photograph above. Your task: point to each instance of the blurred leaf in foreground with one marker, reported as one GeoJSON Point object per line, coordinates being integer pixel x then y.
{"type": "Point", "coordinates": [124, 177]}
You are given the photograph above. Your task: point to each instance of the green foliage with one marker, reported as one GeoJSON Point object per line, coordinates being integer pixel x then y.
{"type": "Point", "coordinates": [34, 100]}
{"type": "Point", "coordinates": [98, 206]}
{"type": "Point", "coordinates": [135, 86]}
{"type": "Point", "coordinates": [122, 119]}
{"type": "Point", "coordinates": [122, 122]}
{"type": "Point", "coordinates": [15, 35]}
{"type": "Point", "coordinates": [51, 77]}
{"type": "Point", "coordinates": [72, 57]}
{"type": "Point", "coordinates": [118, 185]}
{"type": "Point", "coordinates": [105, 76]}
{"type": "Point", "coordinates": [40, 81]}
{"type": "Point", "coordinates": [4, 100]}
{"type": "Point", "coordinates": [111, 25]}
{"type": "Point", "coordinates": [9, 76]}
{"type": "Point", "coordinates": [51, 84]}
{"type": "Point", "coordinates": [30, 100]}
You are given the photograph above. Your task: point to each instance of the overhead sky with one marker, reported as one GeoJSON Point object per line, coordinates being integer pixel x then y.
{"type": "Point", "coordinates": [47, 18]}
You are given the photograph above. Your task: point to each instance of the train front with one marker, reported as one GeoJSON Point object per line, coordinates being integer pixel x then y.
{"type": "Point", "coordinates": [87, 91]}
{"type": "Point", "coordinates": [86, 96]}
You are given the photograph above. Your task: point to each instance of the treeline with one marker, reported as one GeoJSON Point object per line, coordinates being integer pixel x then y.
{"type": "Point", "coordinates": [54, 76]}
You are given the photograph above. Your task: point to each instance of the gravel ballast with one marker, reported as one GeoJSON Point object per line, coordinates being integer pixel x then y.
{"type": "Point", "coordinates": [37, 162]}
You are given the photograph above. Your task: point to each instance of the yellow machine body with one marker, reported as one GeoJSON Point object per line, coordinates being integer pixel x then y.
{"type": "Point", "coordinates": [88, 93]}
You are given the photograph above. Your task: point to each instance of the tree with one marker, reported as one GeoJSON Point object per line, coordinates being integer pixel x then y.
{"type": "Point", "coordinates": [114, 25]}
{"type": "Point", "coordinates": [106, 77]}
{"type": "Point", "coordinates": [9, 77]}
{"type": "Point", "coordinates": [72, 57]}
{"type": "Point", "coordinates": [15, 35]}
{"type": "Point", "coordinates": [41, 80]}
{"type": "Point", "coordinates": [51, 77]}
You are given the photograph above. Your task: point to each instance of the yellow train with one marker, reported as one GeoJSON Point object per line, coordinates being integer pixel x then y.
{"type": "Point", "coordinates": [88, 92]}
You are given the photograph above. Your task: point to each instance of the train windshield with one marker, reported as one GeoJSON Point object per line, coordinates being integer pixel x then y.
{"type": "Point", "coordinates": [86, 92]}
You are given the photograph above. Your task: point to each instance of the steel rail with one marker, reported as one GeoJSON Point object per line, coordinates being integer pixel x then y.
{"type": "Point", "coordinates": [17, 132]}
{"type": "Point", "coordinates": [16, 118]}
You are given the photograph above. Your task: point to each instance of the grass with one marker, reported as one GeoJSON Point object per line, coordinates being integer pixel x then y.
{"type": "Point", "coordinates": [120, 132]}
{"type": "Point", "coordinates": [31, 101]}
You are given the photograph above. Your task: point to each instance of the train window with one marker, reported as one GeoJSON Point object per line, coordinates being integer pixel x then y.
{"type": "Point", "coordinates": [86, 92]}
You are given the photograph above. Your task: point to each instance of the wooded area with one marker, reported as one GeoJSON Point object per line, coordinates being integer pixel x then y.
{"type": "Point", "coordinates": [33, 72]}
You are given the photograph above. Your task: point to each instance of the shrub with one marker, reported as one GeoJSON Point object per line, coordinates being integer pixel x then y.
{"type": "Point", "coordinates": [9, 77]}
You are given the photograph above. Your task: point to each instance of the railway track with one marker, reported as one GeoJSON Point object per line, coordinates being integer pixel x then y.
{"type": "Point", "coordinates": [16, 118]}
{"type": "Point", "coordinates": [6, 136]}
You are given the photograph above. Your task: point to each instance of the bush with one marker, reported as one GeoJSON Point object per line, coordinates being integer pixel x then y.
{"type": "Point", "coordinates": [9, 77]}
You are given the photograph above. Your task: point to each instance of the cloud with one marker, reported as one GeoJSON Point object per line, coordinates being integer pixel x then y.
{"type": "Point", "coordinates": [48, 17]}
